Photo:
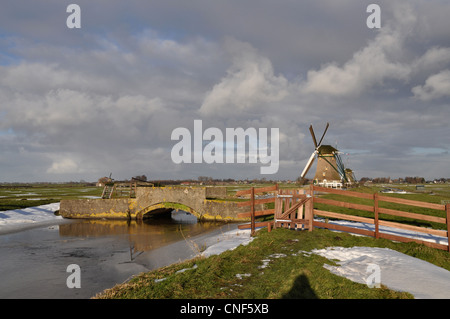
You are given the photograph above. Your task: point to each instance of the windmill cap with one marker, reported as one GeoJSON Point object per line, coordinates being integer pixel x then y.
{"type": "Point", "coordinates": [326, 149]}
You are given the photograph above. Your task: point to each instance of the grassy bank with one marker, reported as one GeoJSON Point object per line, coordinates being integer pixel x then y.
{"type": "Point", "coordinates": [274, 265]}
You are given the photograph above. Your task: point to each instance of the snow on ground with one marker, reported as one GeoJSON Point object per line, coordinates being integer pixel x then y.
{"type": "Point", "coordinates": [18, 219]}
{"type": "Point", "coordinates": [227, 241]}
{"type": "Point", "coordinates": [397, 271]}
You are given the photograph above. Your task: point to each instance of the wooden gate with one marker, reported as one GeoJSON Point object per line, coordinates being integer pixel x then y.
{"type": "Point", "coordinates": [292, 209]}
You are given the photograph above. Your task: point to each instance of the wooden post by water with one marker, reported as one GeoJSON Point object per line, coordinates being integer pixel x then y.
{"type": "Point", "coordinates": [447, 210]}
{"type": "Point", "coordinates": [309, 208]}
{"type": "Point", "coordinates": [252, 196]}
{"type": "Point", "coordinates": [375, 211]}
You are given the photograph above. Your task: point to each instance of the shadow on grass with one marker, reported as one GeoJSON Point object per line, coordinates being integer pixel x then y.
{"type": "Point", "coordinates": [301, 289]}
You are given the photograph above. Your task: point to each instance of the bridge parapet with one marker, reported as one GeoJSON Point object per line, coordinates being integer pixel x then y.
{"type": "Point", "coordinates": [205, 202]}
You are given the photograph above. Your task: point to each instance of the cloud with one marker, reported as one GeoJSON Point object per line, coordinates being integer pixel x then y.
{"type": "Point", "coordinates": [433, 59]}
{"type": "Point", "coordinates": [106, 98]}
{"type": "Point", "coordinates": [63, 166]}
{"type": "Point", "coordinates": [368, 68]}
{"type": "Point", "coordinates": [250, 82]}
{"type": "Point", "coordinates": [435, 87]}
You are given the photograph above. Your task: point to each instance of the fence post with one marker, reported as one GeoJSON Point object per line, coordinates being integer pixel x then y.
{"type": "Point", "coordinates": [447, 210]}
{"type": "Point", "coordinates": [275, 203]}
{"type": "Point", "coordinates": [375, 211]}
{"type": "Point", "coordinates": [252, 212]}
{"type": "Point", "coordinates": [309, 208]}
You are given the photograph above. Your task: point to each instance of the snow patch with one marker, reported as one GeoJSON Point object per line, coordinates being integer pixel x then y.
{"type": "Point", "coordinates": [240, 276]}
{"type": "Point", "coordinates": [228, 241]}
{"type": "Point", "coordinates": [19, 219]}
{"type": "Point", "coordinates": [397, 271]}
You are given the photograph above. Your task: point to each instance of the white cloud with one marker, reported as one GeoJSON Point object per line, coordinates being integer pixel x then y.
{"type": "Point", "coordinates": [433, 59]}
{"type": "Point", "coordinates": [369, 67]}
{"type": "Point", "coordinates": [63, 166]}
{"type": "Point", "coordinates": [250, 81]}
{"type": "Point", "coordinates": [435, 87]}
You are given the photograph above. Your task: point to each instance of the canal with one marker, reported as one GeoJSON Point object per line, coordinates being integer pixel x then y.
{"type": "Point", "coordinates": [33, 262]}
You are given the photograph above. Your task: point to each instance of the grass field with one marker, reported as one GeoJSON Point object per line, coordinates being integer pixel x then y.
{"type": "Point", "coordinates": [16, 197]}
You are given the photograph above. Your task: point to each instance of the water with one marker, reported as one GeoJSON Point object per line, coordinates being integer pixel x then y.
{"type": "Point", "coordinates": [33, 262]}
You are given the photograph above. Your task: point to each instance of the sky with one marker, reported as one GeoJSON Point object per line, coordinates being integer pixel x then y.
{"type": "Point", "coordinates": [82, 103]}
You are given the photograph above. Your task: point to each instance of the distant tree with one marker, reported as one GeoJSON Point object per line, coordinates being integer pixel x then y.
{"type": "Point", "coordinates": [302, 181]}
{"type": "Point", "coordinates": [364, 179]}
{"type": "Point", "coordinates": [104, 180]}
{"type": "Point", "coordinates": [414, 180]}
{"type": "Point", "coordinates": [381, 180]}
{"type": "Point", "coordinates": [140, 178]}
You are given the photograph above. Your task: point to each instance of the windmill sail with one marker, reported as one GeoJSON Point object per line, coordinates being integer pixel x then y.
{"type": "Point", "coordinates": [317, 145]}
{"type": "Point", "coordinates": [313, 136]}
{"type": "Point", "coordinates": [340, 167]}
{"type": "Point", "coordinates": [309, 164]}
{"type": "Point", "coordinates": [323, 135]}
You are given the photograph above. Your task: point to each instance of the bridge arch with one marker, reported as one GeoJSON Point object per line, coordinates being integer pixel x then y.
{"type": "Point", "coordinates": [165, 208]}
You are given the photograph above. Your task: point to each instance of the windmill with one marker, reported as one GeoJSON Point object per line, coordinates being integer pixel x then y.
{"type": "Point", "coordinates": [330, 168]}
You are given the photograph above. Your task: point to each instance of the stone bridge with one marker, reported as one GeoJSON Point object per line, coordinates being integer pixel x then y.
{"type": "Point", "coordinates": [206, 203]}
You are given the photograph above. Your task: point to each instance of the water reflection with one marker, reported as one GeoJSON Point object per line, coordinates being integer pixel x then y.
{"type": "Point", "coordinates": [33, 262]}
{"type": "Point", "coordinates": [143, 235]}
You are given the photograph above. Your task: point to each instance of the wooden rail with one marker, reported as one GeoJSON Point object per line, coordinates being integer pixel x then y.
{"type": "Point", "coordinates": [295, 209]}
{"type": "Point", "coordinates": [377, 210]}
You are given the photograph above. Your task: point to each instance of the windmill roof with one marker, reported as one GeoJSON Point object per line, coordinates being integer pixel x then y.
{"type": "Point", "coordinates": [326, 149]}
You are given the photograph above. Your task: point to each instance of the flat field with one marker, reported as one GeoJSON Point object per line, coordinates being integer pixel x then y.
{"type": "Point", "coordinates": [21, 196]}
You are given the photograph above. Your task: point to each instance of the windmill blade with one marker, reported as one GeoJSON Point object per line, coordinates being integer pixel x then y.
{"type": "Point", "coordinates": [313, 136]}
{"type": "Point", "coordinates": [309, 164]}
{"type": "Point", "coordinates": [323, 135]}
{"type": "Point", "coordinates": [340, 166]}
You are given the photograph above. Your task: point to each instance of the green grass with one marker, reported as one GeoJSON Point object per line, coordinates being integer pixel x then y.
{"type": "Point", "coordinates": [35, 195]}
{"type": "Point", "coordinates": [296, 275]}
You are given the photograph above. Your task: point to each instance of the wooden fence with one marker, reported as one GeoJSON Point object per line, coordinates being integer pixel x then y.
{"type": "Point", "coordinates": [253, 214]}
{"type": "Point", "coordinates": [377, 221]}
{"type": "Point", "coordinates": [295, 209]}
